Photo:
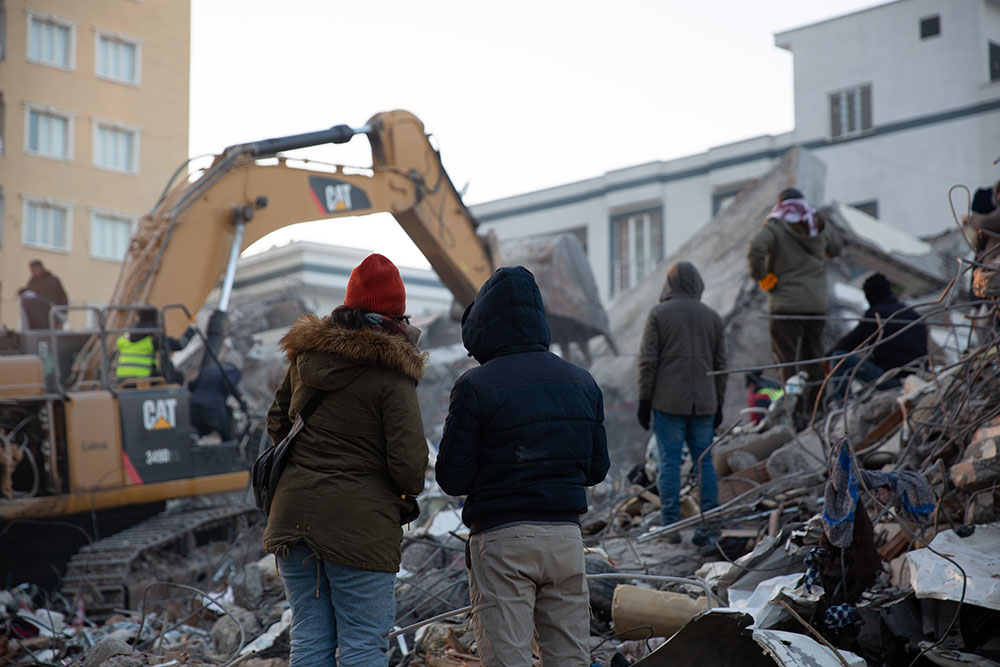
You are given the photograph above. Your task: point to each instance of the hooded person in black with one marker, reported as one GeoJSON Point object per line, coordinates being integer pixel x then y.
{"type": "Point", "coordinates": [903, 343]}
{"type": "Point", "coordinates": [523, 437]}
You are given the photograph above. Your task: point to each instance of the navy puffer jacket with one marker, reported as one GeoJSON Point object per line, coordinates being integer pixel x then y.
{"type": "Point", "coordinates": [525, 430]}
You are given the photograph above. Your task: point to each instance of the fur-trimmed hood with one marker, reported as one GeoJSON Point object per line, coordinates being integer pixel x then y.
{"type": "Point", "coordinates": [364, 346]}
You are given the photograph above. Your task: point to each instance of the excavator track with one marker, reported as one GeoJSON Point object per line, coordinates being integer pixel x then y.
{"type": "Point", "coordinates": [100, 571]}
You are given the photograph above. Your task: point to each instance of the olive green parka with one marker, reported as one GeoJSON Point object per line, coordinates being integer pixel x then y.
{"type": "Point", "coordinates": [362, 450]}
{"type": "Point", "coordinates": [797, 260]}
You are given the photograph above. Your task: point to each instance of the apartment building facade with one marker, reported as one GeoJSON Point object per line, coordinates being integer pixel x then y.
{"type": "Point", "coordinates": [93, 121]}
{"type": "Point", "coordinates": [901, 101]}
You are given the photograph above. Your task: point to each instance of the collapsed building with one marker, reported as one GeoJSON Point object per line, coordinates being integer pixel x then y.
{"type": "Point", "coordinates": [869, 537]}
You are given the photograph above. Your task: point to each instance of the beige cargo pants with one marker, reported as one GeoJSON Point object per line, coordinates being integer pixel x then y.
{"type": "Point", "coordinates": [524, 580]}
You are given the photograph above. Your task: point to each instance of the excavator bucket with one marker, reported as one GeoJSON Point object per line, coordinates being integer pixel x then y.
{"type": "Point", "coordinates": [572, 302]}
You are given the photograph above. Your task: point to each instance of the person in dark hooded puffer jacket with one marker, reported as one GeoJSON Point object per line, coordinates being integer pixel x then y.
{"type": "Point", "coordinates": [352, 472]}
{"type": "Point", "coordinates": [523, 437]}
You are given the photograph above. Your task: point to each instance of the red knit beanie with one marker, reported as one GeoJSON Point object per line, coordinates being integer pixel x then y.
{"type": "Point", "coordinates": [375, 287]}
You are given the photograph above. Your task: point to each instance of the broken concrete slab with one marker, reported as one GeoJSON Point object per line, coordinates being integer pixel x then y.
{"type": "Point", "coordinates": [978, 554]}
{"type": "Point", "coordinates": [980, 466]}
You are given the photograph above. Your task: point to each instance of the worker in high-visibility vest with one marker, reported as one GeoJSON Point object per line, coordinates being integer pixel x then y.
{"type": "Point", "coordinates": [761, 392]}
{"type": "Point", "coordinates": [137, 350]}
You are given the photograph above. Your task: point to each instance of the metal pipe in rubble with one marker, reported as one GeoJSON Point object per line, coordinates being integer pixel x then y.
{"type": "Point", "coordinates": [605, 575]}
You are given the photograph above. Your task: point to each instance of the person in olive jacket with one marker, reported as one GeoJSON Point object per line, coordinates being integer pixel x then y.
{"type": "Point", "coordinates": [524, 435]}
{"type": "Point", "coordinates": [682, 342]}
{"type": "Point", "coordinates": [787, 258]}
{"type": "Point", "coordinates": [352, 473]}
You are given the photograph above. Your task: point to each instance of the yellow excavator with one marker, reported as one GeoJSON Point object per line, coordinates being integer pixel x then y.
{"type": "Point", "coordinates": [75, 439]}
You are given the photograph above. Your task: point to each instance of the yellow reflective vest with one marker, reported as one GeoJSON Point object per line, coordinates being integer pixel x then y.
{"type": "Point", "coordinates": [135, 359]}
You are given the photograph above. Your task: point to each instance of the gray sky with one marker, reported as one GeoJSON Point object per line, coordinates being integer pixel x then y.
{"type": "Point", "coordinates": [519, 95]}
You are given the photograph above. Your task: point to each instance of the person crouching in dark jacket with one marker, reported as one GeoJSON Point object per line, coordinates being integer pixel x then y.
{"type": "Point", "coordinates": [351, 473]}
{"type": "Point", "coordinates": [902, 344]}
{"type": "Point", "coordinates": [524, 435]}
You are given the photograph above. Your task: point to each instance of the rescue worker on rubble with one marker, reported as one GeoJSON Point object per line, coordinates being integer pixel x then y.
{"type": "Point", "coordinates": [902, 344]}
{"type": "Point", "coordinates": [137, 349]}
{"type": "Point", "coordinates": [210, 391]}
{"type": "Point", "coordinates": [682, 341]}
{"type": "Point", "coordinates": [524, 435]}
{"type": "Point", "coordinates": [352, 472]}
{"type": "Point", "coordinates": [787, 258]}
{"type": "Point", "coordinates": [982, 228]}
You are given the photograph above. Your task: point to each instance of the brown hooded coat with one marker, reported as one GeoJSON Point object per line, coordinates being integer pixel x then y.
{"type": "Point", "coordinates": [683, 341]}
{"type": "Point", "coordinates": [360, 451]}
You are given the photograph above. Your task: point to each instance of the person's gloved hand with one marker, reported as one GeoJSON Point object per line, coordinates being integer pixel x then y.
{"type": "Point", "coordinates": [645, 409]}
{"type": "Point", "coordinates": [718, 418]}
{"type": "Point", "coordinates": [768, 282]}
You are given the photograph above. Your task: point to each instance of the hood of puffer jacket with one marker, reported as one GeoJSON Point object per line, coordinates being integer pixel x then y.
{"type": "Point", "coordinates": [506, 317]}
{"type": "Point", "coordinates": [350, 350]}
{"type": "Point", "coordinates": [683, 280]}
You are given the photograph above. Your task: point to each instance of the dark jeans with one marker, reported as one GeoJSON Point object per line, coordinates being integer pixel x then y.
{"type": "Point", "coordinates": [867, 371]}
{"type": "Point", "coordinates": [209, 418]}
{"type": "Point", "coordinates": [794, 340]}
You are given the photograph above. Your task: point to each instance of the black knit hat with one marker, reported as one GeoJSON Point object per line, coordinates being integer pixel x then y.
{"type": "Point", "coordinates": [791, 193]}
{"type": "Point", "coordinates": [878, 289]}
{"type": "Point", "coordinates": [982, 201]}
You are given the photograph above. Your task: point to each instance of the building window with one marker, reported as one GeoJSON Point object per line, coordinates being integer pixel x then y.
{"type": "Point", "coordinates": [118, 58]}
{"type": "Point", "coordinates": [51, 41]}
{"type": "Point", "coordinates": [116, 147]}
{"type": "Point", "coordinates": [930, 26]}
{"type": "Point", "coordinates": [994, 61]}
{"type": "Point", "coordinates": [46, 225]}
{"type": "Point", "coordinates": [49, 134]}
{"type": "Point", "coordinates": [109, 235]}
{"type": "Point", "coordinates": [870, 207]}
{"type": "Point", "coordinates": [636, 247]}
{"type": "Point", "coordinates": [851, 111]}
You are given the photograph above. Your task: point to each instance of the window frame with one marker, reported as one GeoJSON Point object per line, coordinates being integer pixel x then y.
{"type": "Point", "coordinates": [120, 216]}
{"type": "Point", "coordinates": [842, 95]}
{"type": "Point", "coordinates": [48, 202]}
{"type": "Point", "coordinates": [69, 116]}
{"type": "Point", "coordinates": [991, 49]}
{"type": "Point", "coordinates": [924, 20]}
{"type": "Point", "coordinates": [113, 35]}
{"type": "Point", "coordinates": [616, 285]}
{"type": "Point", "coordinates": [44, 17]}
{"type": "Point", "coordinates": [116, 126]}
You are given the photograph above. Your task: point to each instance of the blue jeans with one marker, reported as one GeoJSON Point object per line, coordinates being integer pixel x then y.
{"type": "Point", "coordinates": [337, 606]}
{"type": "Point", "coordinates": [672, 431]}
{"type": "Point", "coordinates": [867, 371]}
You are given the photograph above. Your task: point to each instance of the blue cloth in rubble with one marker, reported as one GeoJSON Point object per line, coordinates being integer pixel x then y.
{"type": "Point", "coordinates": [839, 616]}
{"type": "Point", "coordinates": [912, 493]}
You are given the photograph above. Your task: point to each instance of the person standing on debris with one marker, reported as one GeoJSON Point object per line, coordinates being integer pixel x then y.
{"type": "Point", "coordinates": [682, 341]}
{"type": "Point", "coordinates": [352, 473]}
{"type": "Point", "coordinates": [209, 392]}
{"type": "Point", "coordinates": [524, 435]}
{"type": "Point", "coordinates": [787, 258]}
{"type": "Point", "coordinates": [44, 287]}
{"type": "Point", "coordinates": [905, 342]}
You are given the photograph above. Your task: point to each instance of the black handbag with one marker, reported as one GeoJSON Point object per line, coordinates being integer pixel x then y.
{"type": "Point", "coordinates": [266, 470]}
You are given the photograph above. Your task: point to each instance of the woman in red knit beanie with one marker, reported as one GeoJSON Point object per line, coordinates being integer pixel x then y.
{"type": "Point", "coordinates": [353, 471]}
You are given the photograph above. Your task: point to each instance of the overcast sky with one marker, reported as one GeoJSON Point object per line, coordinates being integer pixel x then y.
{"type": "Point", "coordinates": [519, 95]}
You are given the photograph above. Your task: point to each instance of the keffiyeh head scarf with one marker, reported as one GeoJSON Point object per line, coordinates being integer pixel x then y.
{"type": "Point", "coordinates": [796, 211]}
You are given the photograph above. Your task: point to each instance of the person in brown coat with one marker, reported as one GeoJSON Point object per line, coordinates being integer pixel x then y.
{"type": "Point", "coordinates": [44, 286]}
{"type": "Point", "coordinates": [787, 258]}
{"type": "Point", "coordinates": [352, 473]}
{"type": "Point", "coordinates": [683, 341]}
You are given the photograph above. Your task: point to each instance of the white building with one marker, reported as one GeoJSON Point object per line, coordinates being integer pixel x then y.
{"type": "Point", "coordinates": [901, 101]}
{"type": "Point", "coordinates": [318, 273]}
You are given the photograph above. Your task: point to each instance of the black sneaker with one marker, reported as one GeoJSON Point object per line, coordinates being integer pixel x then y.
{"type": "Point", "coordinates": [674, 538]}
{"type": "Point", "coordinates": [704, 537]}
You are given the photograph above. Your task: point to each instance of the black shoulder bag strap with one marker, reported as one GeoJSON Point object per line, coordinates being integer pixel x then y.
{"type": "Point", "coordinates": [271, 462]}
